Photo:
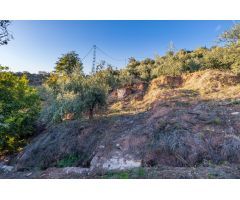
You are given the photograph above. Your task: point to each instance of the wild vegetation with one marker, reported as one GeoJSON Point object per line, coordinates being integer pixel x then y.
{"type": "Point", "coordinates": [74, 93]}
{"type": "Point", "coordinates": [179, 113]}
{"type": "Point", "coordinates": [19, 108]}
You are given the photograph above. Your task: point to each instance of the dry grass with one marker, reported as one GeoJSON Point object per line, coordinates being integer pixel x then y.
{"type": "Point", "coordinates": [192, 87]}
{"type": "Point", "coordinates": [213, 84]}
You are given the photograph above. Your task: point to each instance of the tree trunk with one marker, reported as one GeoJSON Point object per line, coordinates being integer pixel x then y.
{"type": "Point", "coordinates": [91, 113]}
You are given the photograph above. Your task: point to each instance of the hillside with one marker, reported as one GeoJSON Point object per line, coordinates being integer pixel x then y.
{"type": "Point", "coordinates": [184, 126]}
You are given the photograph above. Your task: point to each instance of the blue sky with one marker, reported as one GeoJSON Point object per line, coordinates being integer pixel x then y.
{"type": "Point", "coordinates": [38, 44]}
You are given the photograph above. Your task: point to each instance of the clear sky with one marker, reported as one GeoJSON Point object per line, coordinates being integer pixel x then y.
{"type": "Point", "coordinates": [38, 44]}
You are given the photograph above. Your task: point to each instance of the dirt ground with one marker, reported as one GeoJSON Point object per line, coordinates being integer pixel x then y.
{"type": "Point", "coordinates": [164, 172]}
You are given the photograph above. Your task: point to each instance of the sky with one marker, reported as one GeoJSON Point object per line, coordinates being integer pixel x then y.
{"type": "Point", "coordinates": [38, 44]}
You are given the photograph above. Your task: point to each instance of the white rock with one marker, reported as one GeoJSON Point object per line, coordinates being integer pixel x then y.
{"type": "Point", "coordinates": [120, 164]}
{"type": "Point", "coordinates": [115, 161]}
{"type": "Point", "coordinates": [235, 113]}
{"type": "Point", "coordinates": [76, 170]}
{"type": "Point", "coordinates": [6, 168]}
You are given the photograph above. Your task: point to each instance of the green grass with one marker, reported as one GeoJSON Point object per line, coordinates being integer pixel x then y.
{"type": "Point", "coordinates": [128, 174]}
{"type": "Point", "coordinates": [68, 161]}
{"type": "Point", "coordinates": [141, 172]}
{"type": "Point", "coordinates": [235, 102]}
{"type": "Point", "coordinates": [182, 103]}
{"type": "Point", "coordinates": [212, 175]}
{"type": "Point", "coordinates": [216, 121]}
{"type": "Point", "coordinates": [116, 175]}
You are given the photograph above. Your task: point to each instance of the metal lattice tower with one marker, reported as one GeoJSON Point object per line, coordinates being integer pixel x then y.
{"type": "Point", "coordinates": [94, 59]}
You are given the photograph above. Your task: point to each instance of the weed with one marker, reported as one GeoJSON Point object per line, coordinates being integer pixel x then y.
{"type": "Point", "coordinates": [141, 172]}
{"type": "Point", "coordinates": [212, 175]}
{"type": "Point", "coordinates": [235, 102]}
{"type": "Point", "coordinates": [182, 103]}
{"type": "Point", "coordinates": [216, 121]}
{"type": "Point", "coordinates": [68, 161]}
{"type": "Point", "coordinates": [134, 173]}
{"type": "Point", "coordinates": [117, 175]}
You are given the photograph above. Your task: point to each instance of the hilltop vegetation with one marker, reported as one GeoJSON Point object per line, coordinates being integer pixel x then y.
{"type": "Point", "coordinates": [75, 93]}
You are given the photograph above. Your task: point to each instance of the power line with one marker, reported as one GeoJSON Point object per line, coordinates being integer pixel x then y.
{"type": "Point", "coordinates": [125, 60]}
{"type": "Point", "coordinates": [110, 56]}
{"type": "Point", "coordinates": [87, 54]}
{"type": "Point", "coordinates": [94, 48]}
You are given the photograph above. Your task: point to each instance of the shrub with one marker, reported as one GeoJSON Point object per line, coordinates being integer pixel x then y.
{"type": "Point", "coordinates": [75, 94]}
{"type": "Point", "coordinates": [68, 161]}
{"type": "Point", "coordinates": [19, 108]}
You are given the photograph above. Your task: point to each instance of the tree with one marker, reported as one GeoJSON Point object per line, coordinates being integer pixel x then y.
{"type": "Point", "coordinates": [231, 36]}
{"type": "Point", "coordinates": [167, 65]}
{"type": "Point", "coordinates": [19, 108]}
{"type": "Point", "coordinates": [132, 67]}
{"type": "Point", "coordinates": [5, 36]}
{"type": "Point", "coordinates": [68, 63]}
{"type": "Point", "coordinates": [107, 74]}
{"type": "Point", "coordinates": [76, 94]}
{"type": "Point", "coordinates": [145, 68]}
{"type": "Point", "coordinates": [94, 94]}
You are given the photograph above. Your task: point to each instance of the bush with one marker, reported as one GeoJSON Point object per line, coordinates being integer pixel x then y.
{"type": "Point", "coordinates": [68, 161]}
{"type": "Point", "coordinates": [76, 94]}
{"type": "Point", "coordinates": [19, 108]}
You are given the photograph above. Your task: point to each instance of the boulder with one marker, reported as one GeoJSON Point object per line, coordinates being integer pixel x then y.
{"type": "Point", "coordinates": [115, 160]}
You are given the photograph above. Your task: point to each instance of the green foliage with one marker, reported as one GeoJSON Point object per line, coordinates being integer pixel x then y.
{"type": "Point", "coordinates": [132, 67]}
{"type": "Point", "coordinates": [117, 175]}
{"type": "Point", "coordinates": [125, 77]}
{"type": "Point", "coordinates": [167, 65]}
{"type": "Point", "coordinates": [94, 94]}
{"type": "Point", "coordinates": [19, 108]}
{"type": "Point", "coordinates": [128, 174]}
{"type": "Point", "coordinates": [108, 75]}
{"type": "Point", "coordinates": [68, 63]}
{"type": "Point", "coordinates": [76, 93]}
{"type": "Point", "coordinates": [215, 121]}
{"type": "Point", "coordinates": [145, 68]}
{"type": "Point", "coordinates": [68, 161]}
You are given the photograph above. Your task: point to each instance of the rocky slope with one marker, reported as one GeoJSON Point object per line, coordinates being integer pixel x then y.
{"type": "Point", "coordinates": [179, 125]}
